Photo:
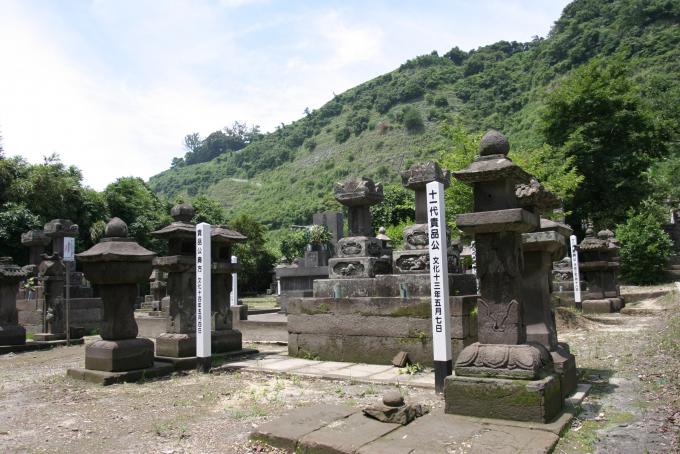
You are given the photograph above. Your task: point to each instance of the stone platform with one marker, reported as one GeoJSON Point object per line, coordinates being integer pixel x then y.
{"type": "Point", "coordinates": [340, 429]}
{"type": "Point", "coordinates": [37, 345]}
{"type": "Point", "coordinates": [191, 362]}
{"type": "Point", "coordinates": [109, 378]}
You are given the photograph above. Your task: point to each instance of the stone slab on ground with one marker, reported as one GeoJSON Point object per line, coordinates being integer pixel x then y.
{"type": "Point", "coordinates": [189, 362]}
{"type": "Point", "coordinates": [338, 429]}
{"type": "Point", "coordinates": [345, 435]}
{"type": "Point", "coordinates": [27, 347]}
{"type": "Point", "coordinates": [284, 432]}
{"type": "Point", "coordinates": [359, 371]}
{"type": "Point", "coordinates": [103, 378]}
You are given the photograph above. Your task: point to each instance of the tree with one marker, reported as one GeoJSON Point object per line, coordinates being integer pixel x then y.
{"type": "Point", "coordinates": [131, 199]}
{"type": "Point", "coordinates": [462, 150]}
{"type": "Point", "coordinates": [645, 247]}
{"type": "Point", "coordinates": [16, 219]}
{"type": "Point", "coordinates": [208, 210]}
{"type": "Point", "coordinates": [256, 261]}
{"type": "Point", "coordinates": [595, 117]}
{"type": "Point", "coordinates": [192, 141]}
{"type": "Point", "coordinates": [397, 207]}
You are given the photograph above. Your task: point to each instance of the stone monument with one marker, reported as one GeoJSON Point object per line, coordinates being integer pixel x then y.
{"type": "Point", "coordinates": [415, 259]}
{"type": "Point", "coordinates": [363, 312]}
{"type": "Point", "coordinates": [36, 241]}
{"type": "Point", "coordinates": [359, 254]}
{"type": "Point", "coordinates": [502, 375]}
{"type": "Point", "coordinates": [11, 333]}
{"type": "Point", "coordinates": [52, 275]}
{"type": "Point", "coordinates": [178, 343]}
{"type": "Point", "coordinates": [117, 265]}
{"type": "Point", "coordinates": [599, 267]}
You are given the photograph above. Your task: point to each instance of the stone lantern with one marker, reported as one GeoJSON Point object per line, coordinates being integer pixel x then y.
{"type": "Point", "coordinates": [117, 265]}
{"type": "Point", "coordinates": [502, 375]}
{"type": "Point", "coordinates": [36, 241]}
{"type": "Point", "coordinates": [11, 333]}
{"type": "Point", "coordinates": [599, 265]}
{"type": "Point", "coordinates": [52, 275]}
{"type": "Point", "coordinates": [178, 343]}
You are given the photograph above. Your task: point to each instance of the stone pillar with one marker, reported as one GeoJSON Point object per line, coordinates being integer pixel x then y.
{"type": "Point", "coordinates": [36, 241]}
{"type": "Point", "coordinates": [117, 264]}
{"type": "Point", "coordinates": [501, 376]}
{"type": "Point", "coordinates": [11, 333]}
{"type": "Point", "coordinates": [359, 254]}
{"type": "Point", "coordinates": [415, 259]}
{"type": "Point", "coordinates": [540, 250]}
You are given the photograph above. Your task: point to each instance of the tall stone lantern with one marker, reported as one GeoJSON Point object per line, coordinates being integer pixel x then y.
{"type": "Point", "coordinates": [503, 375]}
{"type": "Point", "coordinates": [11, 333]}
{"type": "Point", "coordinates": [117, 265]}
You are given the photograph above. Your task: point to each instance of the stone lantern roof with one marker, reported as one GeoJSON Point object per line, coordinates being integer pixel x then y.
{"type": "Point", "coordinates": [11, 271]}
{"type": "Point", "coordinates": [358, 192]}
{"type": "Point", "coordinates": [221, 234]}
{"type": "Point", "coordinates": [116, 246]}
{"type": "Point", "coordinates": [35, 238]}
{"type": "Point", "coordinates": [61, 228]}
{"type": "Point", "coordinates": [420, 174]}
{"type": "Point", "coordinates": [592, 243]}
{"type": "Point", "coordinates": [492, 163]}
{"type": "Point", "coordinates": [535, 197]}
{"type": "Point", "coordinates": [182, 227]}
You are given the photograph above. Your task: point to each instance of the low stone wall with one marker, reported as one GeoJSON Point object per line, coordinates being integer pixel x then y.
{"type": "Point", "coordinates": [373, 330]}
{"type": "Point", "coordinates": [83, 312]}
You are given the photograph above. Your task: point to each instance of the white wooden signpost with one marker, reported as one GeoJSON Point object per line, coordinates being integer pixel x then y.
{"type": "Point", "coordinates": [69, 256]}
{"type": "Point", "coordinates": [473, 257]}
{"type": "Point", "coordinates": [439, 285]}
{"type": "Point", "coordinates": [574, 268]}
{"type": "Point", "coordinates": [234, 284]}
{"type": "Point", "coordinates": [203, 306]}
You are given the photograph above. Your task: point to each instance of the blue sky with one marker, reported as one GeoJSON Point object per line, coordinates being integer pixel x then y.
{"type": "Point", "coordinates": [113, 86]}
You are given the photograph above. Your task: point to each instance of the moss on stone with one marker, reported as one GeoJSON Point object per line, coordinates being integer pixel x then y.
{"type": "Point", "coordinates": [421, 310]}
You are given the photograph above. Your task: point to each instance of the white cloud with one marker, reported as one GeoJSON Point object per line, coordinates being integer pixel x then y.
{"type": "Point", "coordinates": [113, 87]}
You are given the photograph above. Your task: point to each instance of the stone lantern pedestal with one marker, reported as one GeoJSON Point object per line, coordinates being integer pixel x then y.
{"type": "Point", "coordinates": [117, 265]}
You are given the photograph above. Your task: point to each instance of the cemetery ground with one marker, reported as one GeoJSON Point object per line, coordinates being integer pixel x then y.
{"type": "Point", "coordinates": [631, 360]}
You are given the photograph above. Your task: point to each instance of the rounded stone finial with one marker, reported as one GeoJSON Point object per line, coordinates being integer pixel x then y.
{"type": "Point", "coordinates": [605, 234]}
{"type": "Point", "coordinates": [116, 228]}
{"type": "Point", "coordinates": [492, 143]}
{"type": "Point", "coordinates": [393, 399]}
{"type": "Point", "coordinates": [183, 212]}
{"type": "Point", "coordinates": [382, 230]}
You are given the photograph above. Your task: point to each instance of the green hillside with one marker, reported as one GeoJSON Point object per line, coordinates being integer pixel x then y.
{"type": "Point", "coordinates": [382, 126]}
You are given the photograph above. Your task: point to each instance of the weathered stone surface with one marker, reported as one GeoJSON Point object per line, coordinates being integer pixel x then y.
{"type": "Point", "coordinates": [104, 378]}
{"type": "Point", "coordinates": [401, 359]}
{"type": "Point", "coordinates": [392, 285]}
{"type": "Point", "coordinates": [565, 367]}
{"type": "Point", "coordinates": [493, 143]}
{"type": "Point", "coordinates": [10, 275]}
{"type": "Point", "coordinates": [601, 306]}
{"type": "Point", "coordinates": [359, 246]}
{"type": "Point", "coordinates": [503, 360]}
{"type": "Point", "coordinates": [444, 433]}
{"type": "Point", "coordinates": [345, 435]}
{"type": "Point", "coordinates": [366, 349]}
{"type": "Point", "coordinates": [284, 432]}
{"type": "Point", "coordinates": [395, 414]}
{"type": "Point", "coordinates": [357, 267]}
{"type": "Point", "coordinates": [515, 220]}
{"type": "Point", "coordinates": [520, 400]}
{"type": "Point", "coordinates": [393, 399]}
{"type": "Point", "coordinates": [411, 261]}
{"type": "Point", "coordinates": [119, 355]}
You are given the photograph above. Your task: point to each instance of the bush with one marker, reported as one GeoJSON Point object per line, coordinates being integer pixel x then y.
{"type": "Point", "coordinates": [413, 121]}
{"type": "Point", "coordinates": [342, 135]}
{"type": "Point", "coordinates": [645, 247]}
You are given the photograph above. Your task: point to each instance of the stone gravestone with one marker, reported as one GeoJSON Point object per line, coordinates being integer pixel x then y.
{"type": "Point", "coordinates": [11, 333]}
{"type": "Point", "coordinates": [599, 267]}
{"type": "Point", "coordinates": [563, 282]}
{"type": "Point", "coordinates": [52, 275]}
{"type": "Point", "coordinates": [334, 221]}
{"type": "Point", "coordinates": [363, 312]}
{"type": "Point", "coordinates": [117, 265]}
{"type": "Point", "coordinates": [501, 376]}
{"type": "Point", "coordinates": [178, 343]}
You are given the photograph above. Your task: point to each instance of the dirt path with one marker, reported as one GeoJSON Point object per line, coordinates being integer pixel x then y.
{"type": "Point", "coordinates": [634, 367]}
{"type": "Point", "coordinates": [633, 363]}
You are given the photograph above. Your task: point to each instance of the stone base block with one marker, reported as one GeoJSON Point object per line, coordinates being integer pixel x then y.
{"type": "Point", "coordinates": [119, 355]}
{"type": "Point", "coordinates": [184, 345]}
{"type": "Point", "coordinates": [359, 246]}
{"type": "Point", "coordinates": [357, 267]}
{"type": "Point", "coordinates": [416, 261]}
{"type": "Point", "coordinates": [565, 368]}
{"type": "Point", "coordinates": [191, 362]}
{"type": "Point", "coordinates": [602, 306]}
{"type": "Point", "coordinates": [366, 349]}
{"type": "Point", "coordinates": [27, 347]}
{"type": "Point", "coordinates": [392, 285]}
{"type": "Point", "coordinates": [519, 400]}
{"type": "Point", "coordinates": [109, 378]}
{"type": "Point", "coordinates": [12, 335]}
{"type": "Point", "coordinates": [46, 337]}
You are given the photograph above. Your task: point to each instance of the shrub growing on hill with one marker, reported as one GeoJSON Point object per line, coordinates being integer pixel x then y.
{"type": "Point", "coordinates": [645, 247]}
{"type": "Point", "coordinates": [413, 121]}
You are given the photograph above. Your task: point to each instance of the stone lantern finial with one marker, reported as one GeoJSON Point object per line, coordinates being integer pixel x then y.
{"type": "Point", "coordinates": [493, 143]}
{"type": "Point", "coordinates": [183, 212]}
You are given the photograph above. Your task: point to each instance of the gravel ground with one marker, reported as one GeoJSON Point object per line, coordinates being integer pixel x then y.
{"type": "Point", "coordinates": [633, 363]}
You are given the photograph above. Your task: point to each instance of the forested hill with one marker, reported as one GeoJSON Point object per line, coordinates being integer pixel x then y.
{"type": "Point", "coordinates": [381, 126]}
